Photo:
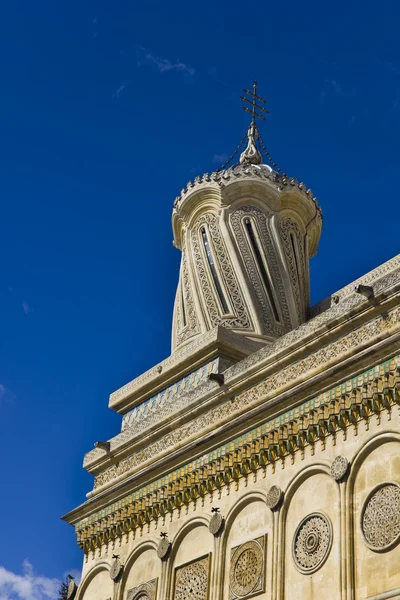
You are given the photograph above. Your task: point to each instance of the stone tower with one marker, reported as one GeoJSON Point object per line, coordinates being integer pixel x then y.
{"type": "Point", "coordinates": [261, 458]}
{"type": "Point", "coordinates": [246, 235]}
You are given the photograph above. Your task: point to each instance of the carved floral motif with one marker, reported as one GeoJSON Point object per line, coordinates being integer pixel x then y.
{"type": "Point", "coordinates": [312, 542]}
{"type": "Point", "coordinates": [191, 580]}
{"type": "Point", "coordinates": [247, 571]}
{"type": "Point", "coordinates": [380, 520]}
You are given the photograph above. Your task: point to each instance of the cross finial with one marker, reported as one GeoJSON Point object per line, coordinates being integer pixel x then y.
{"type": "Point", "coordinates": [254, 97]}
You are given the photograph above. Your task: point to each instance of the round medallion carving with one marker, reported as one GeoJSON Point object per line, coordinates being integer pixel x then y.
{"type": "Point", "coordinates": [192, 582]}
{"type": "Point", "coordinates": [274, 497]}
{"type": "Point", "coordinates": [163, 548]}
{"type": "Point", "coordinates": [216, 523]}
{"type": "Point", "coordinates": [72, 587]}
{"type": "Point", "coordinates": [312, 542]}
{"type": "Point", "coordinates": [339, 468]}
{"type": "Point", "coordinates": [116, 569]}
{"type": "Point", "coordinates": [247, 568]}
{"type": "Point", "coordinates": [380, 517]}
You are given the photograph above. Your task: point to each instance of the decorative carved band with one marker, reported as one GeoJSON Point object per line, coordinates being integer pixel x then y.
{"type": "Point", "coordinates": [352, 403]}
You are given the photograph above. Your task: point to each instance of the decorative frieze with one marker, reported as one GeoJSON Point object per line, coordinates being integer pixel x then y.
{"type": "Point", "coordinates": [265, 389]}
{"type": "Point", "coordinates": [349, 404]}
{"type": "Point", "coordinates": [141, 415]}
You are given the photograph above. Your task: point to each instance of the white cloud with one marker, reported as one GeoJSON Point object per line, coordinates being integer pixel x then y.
{"type": "Point", "coordinates": [26, 308]}
{"type": "Point", "coordinates": [164, 64]}
{"type": "Point", "coordinates": [117, 94]}
{"type": "Point", "coordinates": [3, 390]}
{"type": "Point", "coordinates": [28, 585]}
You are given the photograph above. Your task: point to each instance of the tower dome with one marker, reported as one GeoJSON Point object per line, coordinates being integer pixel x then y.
{"type": "Point", "coordinates": [246, 234]}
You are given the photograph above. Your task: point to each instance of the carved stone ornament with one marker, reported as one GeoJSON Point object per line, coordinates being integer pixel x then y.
{"type": "Point", "coordinates": [339, 468]}
{"type": "Point", "coordinates": [72, 587]}
{"type": "Point", "coordinates": [380, 517]}
{"type": "Point", "coordinates": [116, 569]}
{"type": "Point", "coordinates": [274, 497]}
{"type": "Point", "coordinates": [247, 572]}
{"type": "Point", "coordinates": [216, 523]}
{"type": "Point", "coordinates": [312, 543]}
{"type": "Point", "coordinates": [163, 548]}
{"type": "Point", "coordinates": [191, 580]}
{"type": "Point", "coordinates": [144, 591]}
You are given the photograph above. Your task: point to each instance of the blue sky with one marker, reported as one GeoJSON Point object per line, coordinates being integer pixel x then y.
{"type": "Point", "coordinates": [108, 109]}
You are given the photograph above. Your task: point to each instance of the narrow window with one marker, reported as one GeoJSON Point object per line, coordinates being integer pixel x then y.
{"type": "Point", "coordinates": [184, 322]}
{"type": "Point", "coordinates": [261, 267]}
{"type": "Point", "coordinates": [213, 270]}
{"type": "Point", "coordinates": [295, 256]}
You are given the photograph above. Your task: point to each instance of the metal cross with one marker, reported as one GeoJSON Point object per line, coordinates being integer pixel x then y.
{"type": "Point", "coordinates": [253, 102]}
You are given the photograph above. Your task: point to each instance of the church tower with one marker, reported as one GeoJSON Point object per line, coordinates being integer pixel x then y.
{"type": "Point", "coordinates": [261, 458]}
{"type": "Point", "coordinates": [246, 234]}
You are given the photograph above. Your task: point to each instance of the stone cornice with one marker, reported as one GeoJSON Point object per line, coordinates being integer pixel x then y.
{"type": "Point", "coordinates": [331, 324]}
{"type": "Point", "coordinates": [269, 394]}
{"type": "Point", "coordinates": [229, 407]}
{"type": "Point", "coordinates": [350, 404]}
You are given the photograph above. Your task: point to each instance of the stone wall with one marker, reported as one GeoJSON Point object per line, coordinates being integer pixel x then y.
{"type": "Point", "coordinates": [311, 547]}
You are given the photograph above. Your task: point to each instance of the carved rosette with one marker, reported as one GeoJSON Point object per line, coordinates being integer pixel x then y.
{"type": "Point", "coordinates": [116, 569]}
{"type": "Point", "coordinates": [339, 468]}
{"type": "Point", "coordinates": [163, 548]}
{"type": "Point", "coordinates": [380, 517]}
{"type": "Point", "coordinates": [312, 543]}
{"type": "Point", "coordinates": [274, 497]}
{"type": "Point", "coordinates": [247, 570]}
{"type": "Point", "coordinates": [144, 591]}
{"type": "Point", "coordinates": [191, 580]}
{"type": "Point", "coordinates": [216, 523]}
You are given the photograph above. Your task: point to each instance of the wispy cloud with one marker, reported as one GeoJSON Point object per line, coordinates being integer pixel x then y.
{"type": "Point", "coordinates": [27, 585]}
{"type": "Point", "coordinates": [219, 158]}
{"type": "Point", "coordinates": [26, 308]}
{"type": "Point", "coordinates": [164, 65]}
{"type": "Point", "coordinates": [3, 391]}
{"type": "Point", "coordinates": [117, 95]}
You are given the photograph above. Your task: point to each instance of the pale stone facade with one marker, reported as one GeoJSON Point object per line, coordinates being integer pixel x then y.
{"type": "Point", "coordinates": [266, 448]}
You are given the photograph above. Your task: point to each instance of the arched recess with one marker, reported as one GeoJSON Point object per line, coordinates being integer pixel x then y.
{"type": "Point", "coordinates": [311, 491]}
{"type": "Point", "coordinates": [192, 542]}
{"type": "Point", "coordinates": [141, 567]}
{"type": "Point", "coordinates": [377, 462]}
{"type": "Point", "coordinates": [248, 520]}
{"type": "Point", "coordinates": [97, 584]}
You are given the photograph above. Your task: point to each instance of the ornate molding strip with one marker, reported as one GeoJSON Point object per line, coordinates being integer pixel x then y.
{"type": "Point", "coordinates": [346, 405]}
{"type": "Point", "coordinates": [383, 278]}
{"type": "Point", "coordinates": [265, 389]}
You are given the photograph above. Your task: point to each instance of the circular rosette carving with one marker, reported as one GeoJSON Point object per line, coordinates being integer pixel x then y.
{"type": "Point", "coordinates": [274, 497]}
{"type": "Point", "coordinates": [312, 543]}
{"type": "Point", "coordinates": [192, 582]}
{"type": "Point", "coordinates": [72, 588]}
{"type": "Point", "coordinates": [116, 569]}
{"type": "Point", "coordinates": [339, 468]}
{"type": "Point", "coordinates": [246, 568]}
{"type": "Point", "coordinates": [380, 517]}
{"type": "Point", "coordinates": [216, 523]}
{"type": "Point", "coordinates": [163, 548]}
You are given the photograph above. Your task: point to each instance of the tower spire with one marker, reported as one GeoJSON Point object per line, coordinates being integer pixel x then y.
{"type": "Point", "coordinates": [251, 155]}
